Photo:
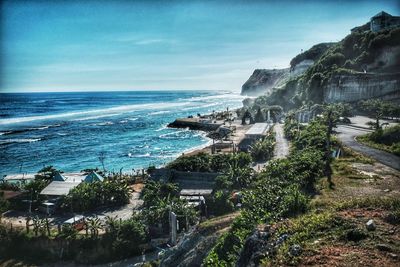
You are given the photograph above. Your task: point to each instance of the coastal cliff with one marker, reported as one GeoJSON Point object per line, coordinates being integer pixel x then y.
{"type": "Point", "coordinates": [263, 80]}
{"type": "Point", "coordinates": [363, 65]}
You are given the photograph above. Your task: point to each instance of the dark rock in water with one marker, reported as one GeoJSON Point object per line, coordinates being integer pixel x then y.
{"type": "Point", "coordinates": [295, 250]}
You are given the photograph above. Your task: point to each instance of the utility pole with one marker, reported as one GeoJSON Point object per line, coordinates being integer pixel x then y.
{"type": "Point", "coordinates": [328, 170]}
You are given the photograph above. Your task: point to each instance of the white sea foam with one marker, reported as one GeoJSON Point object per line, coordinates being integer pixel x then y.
{"type": "Point", "coordinates": [27, 140]}
{"type": "Point", "coordinates": [159, 112]}
{"type": "Point", "coordinates": [91, 114]}
{"type": "Point", "coordinates": [162, 128]}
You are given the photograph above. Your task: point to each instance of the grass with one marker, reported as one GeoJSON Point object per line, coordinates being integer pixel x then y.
{"type": "Point", "coordinates": [335, 224]}
{"type": "Point", "coordinates": [365, 139]}
{"type": "Point", "coordinates": [330, 228]}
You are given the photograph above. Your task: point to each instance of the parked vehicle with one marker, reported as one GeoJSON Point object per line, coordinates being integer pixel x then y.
{"type": "Point", "coordinates": [78, 222]}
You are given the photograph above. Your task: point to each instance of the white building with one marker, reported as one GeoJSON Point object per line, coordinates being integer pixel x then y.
{"type": "Point", "coordinates": [257, 131]}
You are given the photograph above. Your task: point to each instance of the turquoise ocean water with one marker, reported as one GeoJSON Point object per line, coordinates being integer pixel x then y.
{"type": "Point", "coordinates": [70, 130]}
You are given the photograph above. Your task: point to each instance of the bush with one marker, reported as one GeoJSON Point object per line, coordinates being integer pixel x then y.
{"type": "Point", "coordinates": [219, 203]}
{"type": "Point", "coordinates": [263, 149]}
{"type": "Point", "coordinates": [129, 235]}
{"type": "Point", "coordinates": [90, 196]}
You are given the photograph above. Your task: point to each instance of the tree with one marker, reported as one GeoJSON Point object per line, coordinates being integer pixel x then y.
{"type": "Point", "coordinates": [94, 225]}
{"type": "Point", "coordinates": [259, 116]}
{"type": "Point", "coordinates": [46, 173]}
{"type": "Point", "coordinates": [376, 108]}
{"type": "Point", "coordinates": [331, 114]}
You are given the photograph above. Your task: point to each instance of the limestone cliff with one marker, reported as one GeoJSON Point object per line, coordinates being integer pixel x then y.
{"type": "Point", "coordinates": [361, 86]}
{"type": "Point", "coordinates": [363, 65]}
{"type": "Point", "coordinates": [263, 80]}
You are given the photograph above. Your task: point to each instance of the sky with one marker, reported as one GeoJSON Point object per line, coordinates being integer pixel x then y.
{"type": "Point", "coordinates": [55, 46]}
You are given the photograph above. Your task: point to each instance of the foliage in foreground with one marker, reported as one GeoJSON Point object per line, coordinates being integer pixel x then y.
{"type": "Point", "coordinates": [89, 196]}
{"type": "Point", "coordinates": [279, 191]}
{"type": "Point", "coordinates": [122, 239]}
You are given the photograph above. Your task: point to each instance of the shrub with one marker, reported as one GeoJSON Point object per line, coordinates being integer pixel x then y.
{"type": "Point", "coordinates": [89, 196]}
{"type": "Point", "coordinates": [219, 203]}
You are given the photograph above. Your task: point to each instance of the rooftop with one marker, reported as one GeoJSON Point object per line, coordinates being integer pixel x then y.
{"type": "Point", "coordinates": [71, 177]}
{"type": "Point", "coordinates": [19, 176]}
{"type": "Point", "coordinates": [258, 129]}
{"type": "Point", "coordinates": [58, 188]}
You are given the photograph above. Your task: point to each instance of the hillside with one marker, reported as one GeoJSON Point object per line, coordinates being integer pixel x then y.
{"type": "Point", "coordinates": [363, 65]}
{"type": "Point", "coordinates": [262, 81]}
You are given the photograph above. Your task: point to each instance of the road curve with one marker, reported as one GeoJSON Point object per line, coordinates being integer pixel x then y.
{"type": "Point", "coordinates": [347, 134]}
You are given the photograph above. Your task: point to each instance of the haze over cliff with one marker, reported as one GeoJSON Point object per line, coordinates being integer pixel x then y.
{"type": "Point", "coordinates": [365, 64]}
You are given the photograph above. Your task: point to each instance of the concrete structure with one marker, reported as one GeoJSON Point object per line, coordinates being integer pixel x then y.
{"type": "Point", "coordinates": [257, 131]}
{"type": "Point", "coordinates": [360, 86]}
{"type": "Point", "coordinates": [383, 20]}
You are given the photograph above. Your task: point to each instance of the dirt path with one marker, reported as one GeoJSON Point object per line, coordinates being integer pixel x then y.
{"type": "Point", "coordinates": [347, 135]}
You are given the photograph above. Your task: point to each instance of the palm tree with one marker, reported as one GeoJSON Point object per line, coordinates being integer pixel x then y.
{"type": "Point", "coordinates": [111, 223]}
{"type": "Point", "coordinates": [94, 225]}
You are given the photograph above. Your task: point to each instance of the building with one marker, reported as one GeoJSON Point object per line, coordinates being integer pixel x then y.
{"type": "Point", "coordinates": [257, 131]}
{"type": "Point", "coordinates": [383, 20]}
{"type": "Point", "coordinates": [19, 179]}
{"type": "Point", "coordinates": [63, 182]}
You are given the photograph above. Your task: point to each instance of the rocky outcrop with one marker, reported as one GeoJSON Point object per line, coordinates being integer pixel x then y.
{"type": "Point", "coordinates": [262, 81]}
{"type": "Point", "coordinates": [360, 86]}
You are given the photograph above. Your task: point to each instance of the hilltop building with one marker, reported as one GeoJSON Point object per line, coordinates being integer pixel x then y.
{"type": "Point", "coordinates": [380, 21]}
{"type": "Point", "coordinates": [383, 20]}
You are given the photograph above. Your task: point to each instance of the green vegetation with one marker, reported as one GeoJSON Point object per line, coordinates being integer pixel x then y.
{"type": "Point", "coordinates": [314, 53]}
{"type": "Point", "coordinates": [89, 196]}
{"type": "Point", "coordinates": [203, 162]}
{"type": "Point", "coordinates": [317, 228]}
{"type": "Point", "coordinates": [4, 204]}
{"type": "Point", "coordinates": [387, 139]}
{"type": "Point", "coordinates": [350, 55]}
{"type": "Point", "coordinates": [378, 109]}
{"type": "Point", "coordinates": [279, 191]}
{"type": "Point", "coordinates": [161, 198]}
{"type": "Point", "coordinates": [263, 149]}
{"type": "Point", "coordinates": [122, 239]}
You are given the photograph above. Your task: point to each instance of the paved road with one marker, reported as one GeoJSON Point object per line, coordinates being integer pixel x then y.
{"type": "Point", "coordinates": [281, 149]}
{"type": "Point", "coordinates": [282, 146]}
{"type": "Point", "coordinates": [347, 134]}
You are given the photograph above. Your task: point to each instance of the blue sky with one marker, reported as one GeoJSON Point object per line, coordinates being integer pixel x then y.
{"type": "Point", "coordinates": [154, 45]}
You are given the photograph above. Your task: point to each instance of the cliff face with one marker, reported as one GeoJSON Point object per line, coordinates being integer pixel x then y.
{"type": "Point", "coordinates": [355, 87]}
{"type": "Point", "coordinates": [262, 81]}
{"type": "Point", "coordinates": [363, 65]}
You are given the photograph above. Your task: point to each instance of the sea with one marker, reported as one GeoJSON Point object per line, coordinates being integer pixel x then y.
{"type": "Point", "coordinates": [71, 131]}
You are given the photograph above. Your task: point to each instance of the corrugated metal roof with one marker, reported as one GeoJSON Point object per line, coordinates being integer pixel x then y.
{"type": "Point", "coordinates": [258, 129]}
{"type": "Point", "coordinates": [19, 176]}
{"type": "Point", "coordinates": [57, 188]}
